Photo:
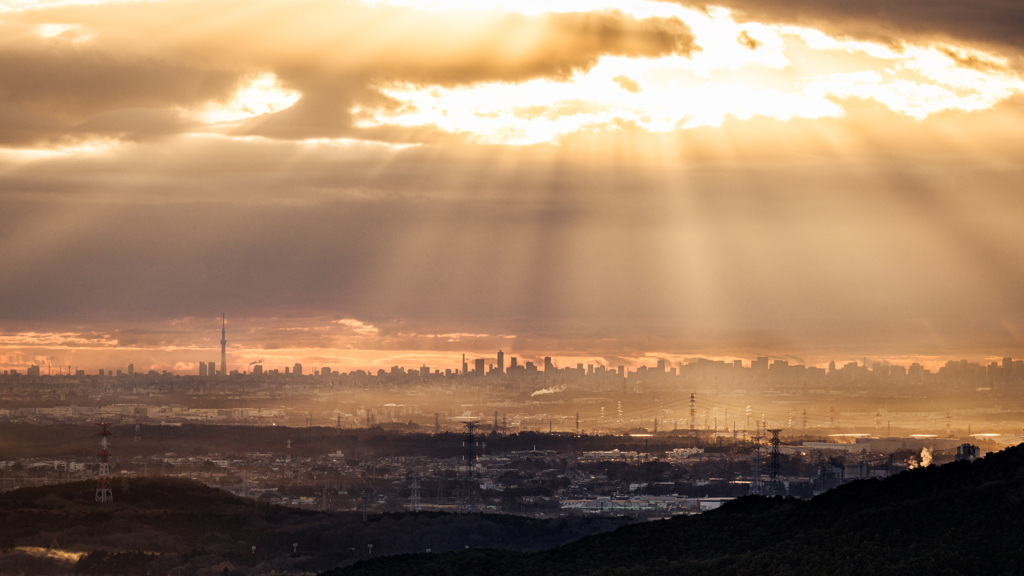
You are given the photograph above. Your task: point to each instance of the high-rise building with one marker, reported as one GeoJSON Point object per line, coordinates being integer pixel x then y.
{"type": "Point", "coordinates": [501, 362]}
{"type": "Point", "coordinates": [223, 345]}
{"type": "Point", "coordinates": [131, 370]}
{"type": "Point", "coordinates": [297, 369]}
{"type": "Point", "coordinates": [548, 366]}
{"type": "Point", "coordinates": [513, 363]}
{"type": "Point", "coordinates": [202, 369]}
{"type": "Point", "coordinates": [211, 368]}
{"type": "Point", "coordinates": [1008, 368]}
{"type": "Point", "coordinates": [479, 366]}
{"type": "Point", "coordinates": [465, 367]}
{"type": "Point", "coordinates": [257, 369]}
{"type": "Point", "coordinates": [760, 365]}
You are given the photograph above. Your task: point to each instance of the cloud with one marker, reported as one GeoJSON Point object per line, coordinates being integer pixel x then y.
{"type": "Point", "coordinates": [745, 39]}
{"type": "Point", "coordinates": [993, 23]}
{"type": "Point", "coordinates": [336, 177]}
{"type": "Point", "coordinates": [627, 83]}
{"type": "Point", "coordinates": [332, 55]}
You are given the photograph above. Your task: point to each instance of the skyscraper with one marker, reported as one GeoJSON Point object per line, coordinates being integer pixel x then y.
{"type": "Point", "coordinates": [501, 362]}
{"type": "Point", "coordinates": [223, 346]}
{"type": "Point", "coordinates": [202, 369]}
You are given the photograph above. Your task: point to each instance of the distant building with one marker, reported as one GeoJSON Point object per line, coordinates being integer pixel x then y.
{"type": "Point", "coordinates": [33, 370]}
{"type": "Point", "coordinates": [131, 370]}
{"type": "Point", "coordinates": [967, 452]}
{"type": "Point", "coordinates": [501, 362]}
{"type": "Point", "coordinates": [297, 369]}
{"type": "Point", "coordinates": [211, 369]}
{"type": "Point", "coordinates": [202, 369]}
{"type": "Point", "coordinates": [479, 366]}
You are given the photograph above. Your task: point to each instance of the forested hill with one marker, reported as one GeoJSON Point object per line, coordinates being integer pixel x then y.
{"type": "Point", "coordinates": [958, 519]}
{"type": "Point", "coordinates": [165, 525]}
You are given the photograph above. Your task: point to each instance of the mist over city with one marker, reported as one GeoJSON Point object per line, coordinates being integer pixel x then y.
{"type": "Point", "coordinates": [575, 287]}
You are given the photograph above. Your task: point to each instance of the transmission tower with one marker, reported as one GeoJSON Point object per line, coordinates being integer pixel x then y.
{"type": "Point", "coordinates": [467, 482]}
{"type": "Point", "coordinates": [414, 500]}
{"type": "Point", "coordinates": [693, 411]}
{"type": "Point", "coordinates": [774, 480]}
{"type": "Point", "coordinates": [755, 467]}
{"type": "Point", "coordinates": [138, 430]}
{"type": "Point", "coordinates": [103, 491]}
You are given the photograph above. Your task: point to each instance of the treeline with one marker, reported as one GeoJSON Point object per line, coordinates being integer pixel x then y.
{"type": "Point", "coordinates": [19, 440]}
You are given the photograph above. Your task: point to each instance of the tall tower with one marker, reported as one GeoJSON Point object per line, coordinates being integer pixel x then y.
{"type": "Point", "coordinates": [223, 346]}
{"type": "Point", "coordinates": [501, 362]}
{"type": "Point", "coordinates": [774, 479]}
{"type": "Point", "coordinates": [466, 506]}
{"type": "Point", "coordinates": [103, 491]}
{"type": "Point", "coordinates": [756, 486]}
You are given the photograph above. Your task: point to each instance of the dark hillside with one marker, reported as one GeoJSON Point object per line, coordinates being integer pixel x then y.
{"type": "Point", "coordinates": [161, 524]}
{"type": "Point", "coordinates": [959, 519]}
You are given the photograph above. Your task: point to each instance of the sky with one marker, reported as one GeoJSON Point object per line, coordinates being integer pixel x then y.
{"type": "Point", "coordinates": [358, 184]}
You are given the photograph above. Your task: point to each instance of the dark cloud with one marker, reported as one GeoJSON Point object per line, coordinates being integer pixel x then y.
{"type": "Point", "coordinates": [76, 82]}
{"type": "Point", "coordinates": [987, 22]}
